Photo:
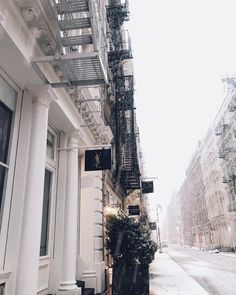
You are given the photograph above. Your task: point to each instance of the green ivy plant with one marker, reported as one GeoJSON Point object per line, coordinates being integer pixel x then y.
{"type": "Point", "coordinates": [127, 243]}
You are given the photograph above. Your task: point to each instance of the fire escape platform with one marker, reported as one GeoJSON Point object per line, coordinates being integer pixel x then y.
{"type": "Point", "coordinates": [75, 68]}
{"type": "Point", "coordinates": [77, 40]}
{"type": "Point", "coordinates": [74, 24]}
{"type": "Point", "coordinates": [72, 7]}
{"type": "Point", "coordinates": [78, 69]}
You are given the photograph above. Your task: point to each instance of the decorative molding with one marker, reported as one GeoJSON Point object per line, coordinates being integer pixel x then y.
{"type": "Point", "coordinates": [5, 275]}
{"type": "Point", "coordinates": [42, 288]}
{"type": "Point", "coordinates": [42, 90]}
{"type": "Point", "coordinates": [89, 273]}
{"type": "Point", "coordinates": [30, 13]}
{"type": "Point", "coordinates": [44, 262]}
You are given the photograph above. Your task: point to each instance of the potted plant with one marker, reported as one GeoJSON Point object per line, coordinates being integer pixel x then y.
{"type": "Point", "coordinates": [132, 251]}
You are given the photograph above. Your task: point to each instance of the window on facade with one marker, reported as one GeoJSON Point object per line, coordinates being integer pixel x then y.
{"type": "Point", "coordinates": [2, 289]}
{"type": "Point", "coordinates": [50, 145]}
{"type": "Point", "coordinates": [46, 213]}
{"type": "Point", "coordinates": [5, 130]}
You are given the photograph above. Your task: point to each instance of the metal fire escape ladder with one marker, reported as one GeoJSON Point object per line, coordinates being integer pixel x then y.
{"type": "Point", "coordinates": [130, 176]}
{"type": "Point", "coordinates": [119, 49]}
{"type": "Point", "coordinates": [126, 150]}
{"type": "Point", "coordinates": [78, 66]}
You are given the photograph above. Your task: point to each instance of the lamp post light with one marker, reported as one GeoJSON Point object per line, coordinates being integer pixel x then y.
{"type": "Point", "coordinates": [231, 236]}
{"type": "Point", "coordinates": [178, 234]}
{"type": "Point", "coordinates": [158, 228]}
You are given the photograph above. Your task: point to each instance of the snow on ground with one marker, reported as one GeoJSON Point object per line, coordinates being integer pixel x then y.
{"type": "Point", "coordinates": [213, 271]}
{"type": "Point", "coordinates": [167, 277]}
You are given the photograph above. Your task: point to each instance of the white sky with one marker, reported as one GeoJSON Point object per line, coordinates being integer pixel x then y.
{"type": "Point", "coordinates": [182, 49]}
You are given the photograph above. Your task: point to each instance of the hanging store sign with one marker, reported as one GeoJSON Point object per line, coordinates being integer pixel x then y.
{"type": "Point", "coordinates": [134, 210]}
{"type": "Point", "coordinates": [97, 159]}
{"type": "Point", "coordinates": [152, 225]}
{"type": "Point", "coordinates": [133, 184]}
{"type": "Point", "coordinates": [147, 187]}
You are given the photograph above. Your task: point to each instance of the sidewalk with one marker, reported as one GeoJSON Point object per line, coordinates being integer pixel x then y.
{"type": "Point", "coordinates": [167, 277]}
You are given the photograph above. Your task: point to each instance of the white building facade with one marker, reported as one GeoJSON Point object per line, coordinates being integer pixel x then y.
{"type": "Point", "coordinates": [56, 102]}
{"type": "Point", "coordinates": [51, 208]}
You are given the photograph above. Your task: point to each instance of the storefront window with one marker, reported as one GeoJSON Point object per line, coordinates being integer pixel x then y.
{"type": "Point", "coordinates": [50, 145]}
{"type": "Point", "coordinates": [46, 213]}
{"type": "Point", "coordinates": [48, 191]}
{"type": "Point", "coordinates": [2, 289]}
{"type": "Point", "coordinates": [5, 131]}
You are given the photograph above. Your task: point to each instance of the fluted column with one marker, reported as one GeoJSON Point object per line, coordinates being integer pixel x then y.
{"type": "Point", "coordinates": [68, 279]}
{"type": "Point", "coordinates": [27, 275]}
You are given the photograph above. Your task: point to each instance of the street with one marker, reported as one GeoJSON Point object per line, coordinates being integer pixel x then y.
{"type": "Point", "coordinates": [216, 273]}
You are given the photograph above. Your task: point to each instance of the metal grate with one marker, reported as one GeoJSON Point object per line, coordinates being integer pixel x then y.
{"type": "Point", "coordinates": [75, 30]}
{"type": "Point", "coordinates": [79, 69]}
{"type": "Point", "coordinates": [76, 40]}
{"type": "Point", "coordinates": [73, 24]}
{"type": "Point", "coordinates": [72, 7]}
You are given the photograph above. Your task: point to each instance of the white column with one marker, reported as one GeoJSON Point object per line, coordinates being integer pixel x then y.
{"type": "Point", "coordinates": [27, 274]}
{"type": "Point", "coordinates": [68, 279]}
{"type": "Point", "coordinates": [91, 267]}
{"type": "Point", "coordinates": [86, 266]}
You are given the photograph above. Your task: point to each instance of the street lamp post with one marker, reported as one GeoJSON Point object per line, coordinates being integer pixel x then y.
{"type": "Point", "coordinates": [178, 234]}
{"type": "Point", "coordinates": [158, 229]}
{"type": "Point", "coordinates": [231, 237]}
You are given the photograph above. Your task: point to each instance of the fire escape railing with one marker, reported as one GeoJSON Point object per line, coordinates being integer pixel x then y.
{"type": "Point", "coordinates": [127, 167]}
{"type": "Point", "coordinates": [80, 55]}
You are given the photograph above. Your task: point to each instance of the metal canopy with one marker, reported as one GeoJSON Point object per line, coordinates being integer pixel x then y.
{"type": "Point", "coordinates": [78, 69]}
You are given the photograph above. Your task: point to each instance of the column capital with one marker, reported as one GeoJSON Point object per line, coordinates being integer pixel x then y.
{"type": "Point", "coordinates": [42, 94]}
{"type": "Point", "coordinates": [44, 101]}
{"type": "Point", "coordinates": [73, 140]}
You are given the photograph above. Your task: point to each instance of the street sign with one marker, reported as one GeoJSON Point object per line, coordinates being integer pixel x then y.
{"type": "Point", "coordinates": [147, 187]}
{"type": "Point", "coordinates": [97, 159]}
{"type": "Point", "coordinates": [134, 210]}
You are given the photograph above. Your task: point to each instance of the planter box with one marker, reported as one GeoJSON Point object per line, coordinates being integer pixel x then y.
{"type": "Point", "coordinates": [130, 279]}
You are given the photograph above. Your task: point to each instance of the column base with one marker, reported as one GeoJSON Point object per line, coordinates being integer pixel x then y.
{"type": "Point", "coordinates": [77, 291]}
{"type": "Point", "coordinates": [90, 279]}
{"type": "Point", "coordinates": [100, 271]}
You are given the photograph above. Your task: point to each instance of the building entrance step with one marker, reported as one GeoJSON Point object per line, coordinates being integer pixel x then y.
{"type": "Point", "coordinates": [81, 284]}
{"type": "Point", "coordinates": [85, 291]}
{"type": "Point", "coordinates": [88, 291]}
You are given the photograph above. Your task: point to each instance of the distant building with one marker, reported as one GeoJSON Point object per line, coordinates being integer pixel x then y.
{"type": "Point", "coordinates": [174, 224]}
{"type": "Point", "coordinates": [207, 195]}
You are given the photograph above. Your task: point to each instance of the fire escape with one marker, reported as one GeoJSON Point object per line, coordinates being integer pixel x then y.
{"type": "Point", "coordinates": [227, 134]}
{"type": "Point", "coordinates": [127, 167]}
{"type": "Point", "coordinates": [73, 55]}
{"type": "Point", "coordinates": [78, 56]}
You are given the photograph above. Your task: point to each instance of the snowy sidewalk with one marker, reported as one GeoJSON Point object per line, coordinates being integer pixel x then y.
{"type": "Point", "coordinates": [167, 277]}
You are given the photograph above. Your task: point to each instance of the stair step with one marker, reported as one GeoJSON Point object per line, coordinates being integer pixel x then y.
{"type": "Point", "coordinates": [73, 24]}
{"type": "Point", "coordinates": [77, 40]}
{"type": "Point", "coordinates": [80, 284]}
{"type": "Point", "coordinates": [88, 291]}
{"type": "Point", "coordinates": [72, 7]}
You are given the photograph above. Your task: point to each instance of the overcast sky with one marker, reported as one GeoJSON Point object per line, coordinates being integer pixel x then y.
{"type": "Point", "coordinates": [182, 49]}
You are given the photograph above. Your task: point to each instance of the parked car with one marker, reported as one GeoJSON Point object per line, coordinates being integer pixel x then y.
{"type": "Point", "coordinates": [214, 251]}
{"type": "Point", "coordinates": [164, 244]}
